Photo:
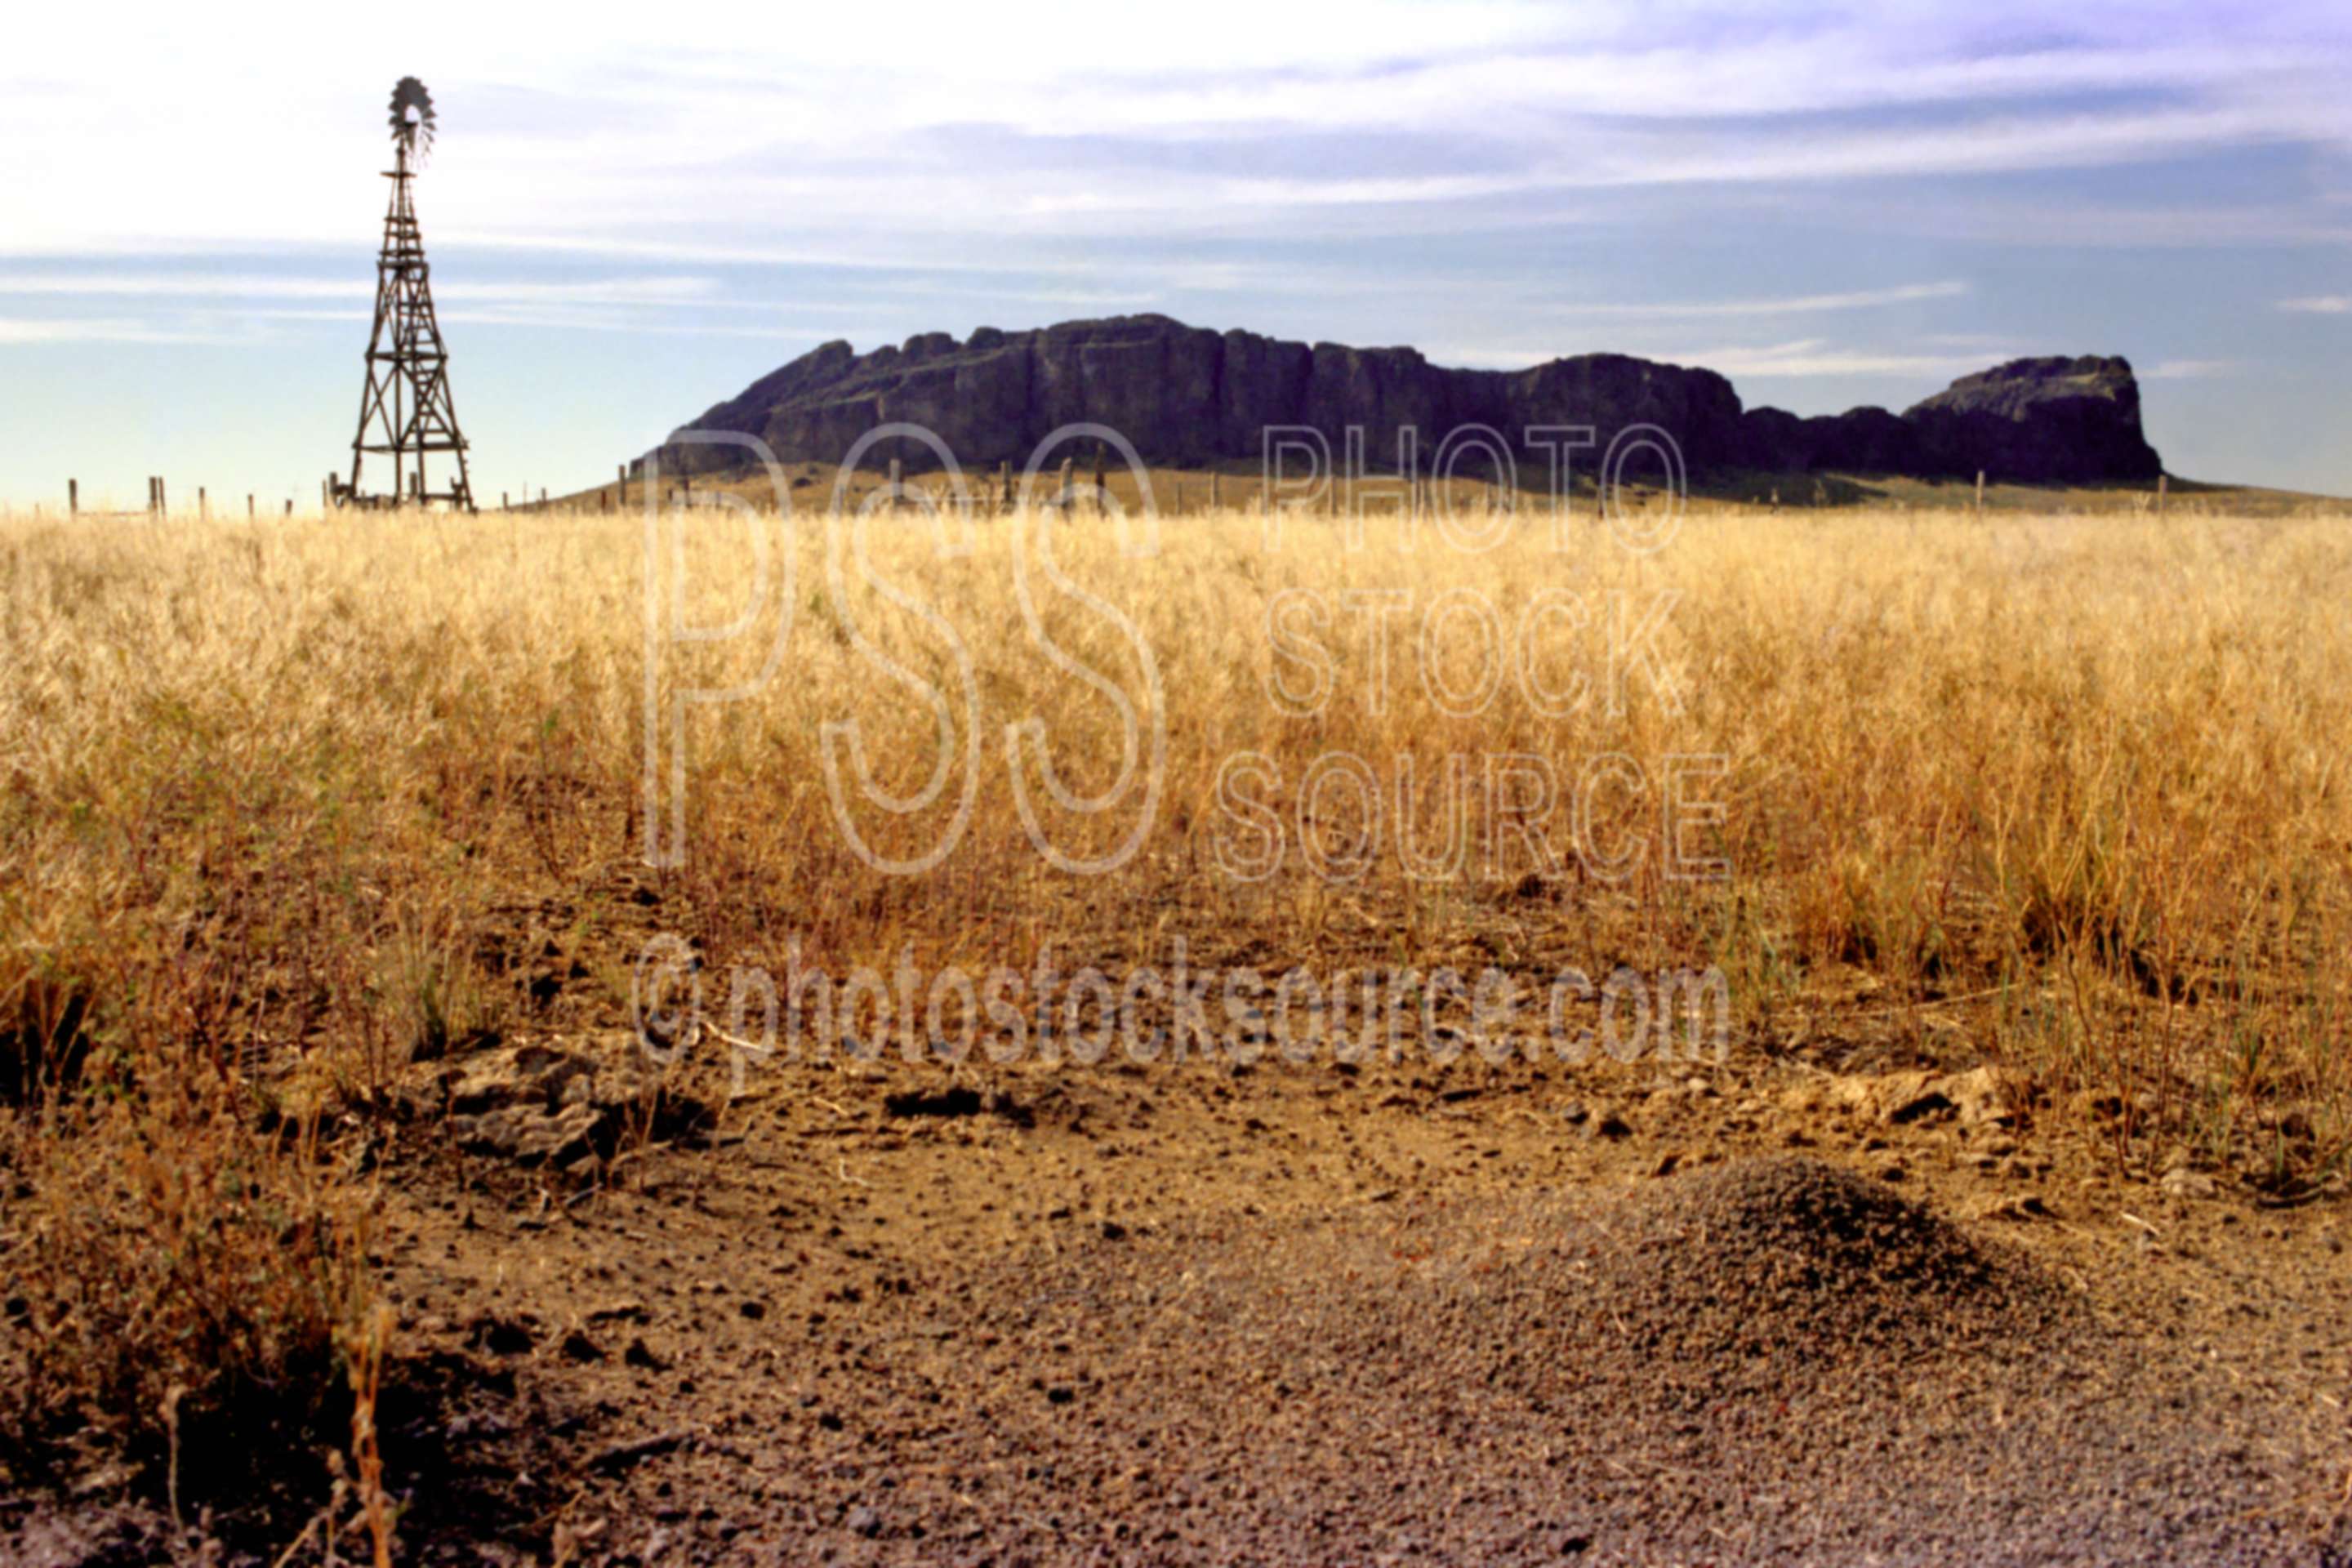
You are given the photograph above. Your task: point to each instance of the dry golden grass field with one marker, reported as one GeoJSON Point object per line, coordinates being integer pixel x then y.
{"type": "Point", "coordinates": [295, 812]}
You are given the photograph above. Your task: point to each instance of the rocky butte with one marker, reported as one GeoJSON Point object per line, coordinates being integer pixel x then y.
{"type": "Point", "coordinates": [1187, 396]}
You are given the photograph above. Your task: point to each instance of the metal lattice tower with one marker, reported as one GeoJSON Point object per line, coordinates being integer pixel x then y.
{"type": "Point", "coordinates": [407, 411]}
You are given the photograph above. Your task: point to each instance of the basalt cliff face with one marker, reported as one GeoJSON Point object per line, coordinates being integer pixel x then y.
{"type": "Point", "coordinates": [1188, 396]}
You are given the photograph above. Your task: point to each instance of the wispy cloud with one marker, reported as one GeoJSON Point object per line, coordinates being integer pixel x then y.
{"type": "Point", "coordinates": [2190, 368]}
{"type": "Point", "coordinates": [2193, 217]}
{"type": "Point", "coordinates": [681, 292]}
{"type": "Point", "coordinates": [159, 285]}
{"type": "Point", "coordinates": [1801, 357]}
{"type": "Point", "coordinates": [63, 329]}
{"type": "Point", "coordinates": [982, 129]}
{"type": "Point", "coordinates": [219, 307]}
{"type": "Point", "coordinates": [2320, 305]}
{"type": "Point", "coordinates": [1793, 305]}
{"type": "Point", "coordinates": [1811, 357]}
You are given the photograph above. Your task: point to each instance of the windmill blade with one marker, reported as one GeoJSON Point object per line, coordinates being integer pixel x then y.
{"type": "Point", "coordinates": [411, 115]}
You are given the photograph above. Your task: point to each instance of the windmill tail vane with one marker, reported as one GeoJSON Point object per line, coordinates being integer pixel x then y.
{"type": "Point", "coordinates": [407, 411]}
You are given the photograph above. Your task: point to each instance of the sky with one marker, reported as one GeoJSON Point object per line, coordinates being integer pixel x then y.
{"type": "Point", "coordinates": [632, 216]}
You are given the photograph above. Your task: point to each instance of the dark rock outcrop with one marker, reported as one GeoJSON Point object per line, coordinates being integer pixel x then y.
{"type": "Point", "coordinates": [557, 1103]}
{"type": "Point", "coordinates": [1859, 441]}
{"type": "Point", "coordinates": [2039, 421]}
{"type": "Point", "coordinates": [1611, 392]}
{"type": "Point", "coordinates": [1188, 396]}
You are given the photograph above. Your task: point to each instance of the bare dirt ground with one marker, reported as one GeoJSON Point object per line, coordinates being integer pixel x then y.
{"type": "Point", "coordinates": [1196, 1312]}
{"type": "Point", "coordinates": [1845, 1294]}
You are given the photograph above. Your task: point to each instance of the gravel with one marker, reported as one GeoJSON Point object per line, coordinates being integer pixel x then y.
{"type": "Point", "coordinates": [1772, 1360]}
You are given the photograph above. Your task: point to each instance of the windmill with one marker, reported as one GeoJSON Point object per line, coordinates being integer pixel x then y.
{"type": "Point", "coordinates": [407, 411]}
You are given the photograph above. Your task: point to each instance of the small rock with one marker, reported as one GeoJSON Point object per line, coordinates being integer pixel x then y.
{"type": "Point", "coordinates": [1918, 1105]}
{"type": "Point", "coordinates": [538, 1103]}
{"type": "Point", "coordinates": [1610, 1127]}
{"type": "Point", "coordinates": [500, 1336]}
{"type": "Point", "coordinates": [2186, 1182]}
{"type": "Point", "coordinates": [864, 1521]}
{"type": "Point", "coordinates": [1980, 1096]}
{"type": "Point", "coordinates": [628, 1311]}
{"type": "Point", "coordinates": [957, 1101]}
{"type": "Point", "coordinates": [530, 1135]}
{"type": "Point", "coordinates": [1803, 1099]}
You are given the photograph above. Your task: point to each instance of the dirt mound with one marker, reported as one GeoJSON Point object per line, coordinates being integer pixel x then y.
{"type": "Point", "coordinates": [1791, 1258]}
{"type": "Point", "coordinates": [1772, 1360]}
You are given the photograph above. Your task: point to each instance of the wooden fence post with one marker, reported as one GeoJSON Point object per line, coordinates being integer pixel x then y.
{"type": "Point", "coordinates": [1980, 492]}
{"type": "Point", "coordinates": [1102, 497]}
{"type": "Point", "coordinates": [1063, 499]}
{"type": "Point", "coordinates": [204, 506]}
{"type": "Point", "coordinates": [73, 498]}
{"type": "Point", "coordinates": [621, 484]}
{"type": "Point", "coordinates": [1004, 485]}
{"type": "Point", "coordinates": [290, 506]}
{"type": "Point", "coordinates": [2163, 483]}
{"type": "Point", "coordinates": [896, 496]}
{"type": "Point", "coordinates": [248, 506]}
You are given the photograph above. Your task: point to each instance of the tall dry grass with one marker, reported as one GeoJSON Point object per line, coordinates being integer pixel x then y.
{"type": "Point", "coordinates": [276, 794]}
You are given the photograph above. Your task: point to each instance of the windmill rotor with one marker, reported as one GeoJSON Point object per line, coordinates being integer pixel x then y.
{"type": "Point", "coordinates": [412, 116]}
